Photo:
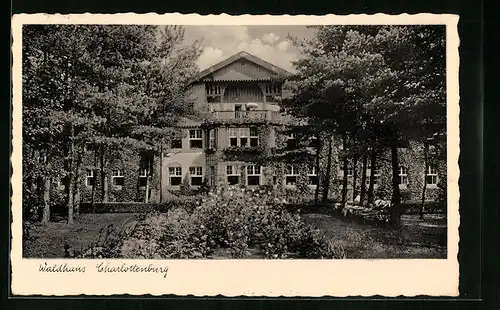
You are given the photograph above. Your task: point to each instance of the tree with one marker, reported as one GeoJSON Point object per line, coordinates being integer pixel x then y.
{"type": "Point", "coordinates": [334, 80]}
{"type": "Point", "coordinates": [380, 86]}
{"type": "Point", "coordinates": [99, 85]}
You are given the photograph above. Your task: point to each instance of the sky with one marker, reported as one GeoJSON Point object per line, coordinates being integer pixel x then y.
{"type": "Point", "coordinates": [270, 43]}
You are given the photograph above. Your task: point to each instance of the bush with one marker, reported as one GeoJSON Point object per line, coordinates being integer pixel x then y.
{"type": "Point", "coordinates": [429, 207]}
{"type": "Point", "coordinates": [232, 220]}
{"type": "Point", "coordinates": [186, 202]}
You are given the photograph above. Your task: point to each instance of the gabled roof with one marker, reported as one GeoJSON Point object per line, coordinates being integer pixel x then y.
{"type": "Point", "coordinates": [280, 72]}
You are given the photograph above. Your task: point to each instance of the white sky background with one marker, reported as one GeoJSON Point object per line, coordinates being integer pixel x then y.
{"type": "Point", "coordinates": [269, 43]}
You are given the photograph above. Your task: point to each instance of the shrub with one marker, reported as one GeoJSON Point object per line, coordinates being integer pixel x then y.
{"type": "Point", "coordinates": [233, 220]}
{"type": "Point", "coordinates": [186, 202]}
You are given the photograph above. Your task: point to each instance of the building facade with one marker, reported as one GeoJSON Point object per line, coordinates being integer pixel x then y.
{"type": "Point", "coordinates": [243, 123]}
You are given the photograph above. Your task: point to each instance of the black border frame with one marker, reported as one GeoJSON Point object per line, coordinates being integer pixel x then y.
{"type": "Point", "coordinates": [473, 288]}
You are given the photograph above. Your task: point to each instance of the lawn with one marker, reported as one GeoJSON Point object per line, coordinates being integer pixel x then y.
{"type": "Point", "coordinates": [416, 239]}
{"type": "Point", "coordinates": [48, 241]}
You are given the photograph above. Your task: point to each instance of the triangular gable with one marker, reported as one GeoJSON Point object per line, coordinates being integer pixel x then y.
{"type": "Point", "coordinates": [231, 74]}
{"type": "Point", "coordinates": [242, 66]}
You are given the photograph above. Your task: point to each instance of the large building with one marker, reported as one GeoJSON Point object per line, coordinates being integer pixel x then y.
{"type": "Point", "coordinates": [239, 96]}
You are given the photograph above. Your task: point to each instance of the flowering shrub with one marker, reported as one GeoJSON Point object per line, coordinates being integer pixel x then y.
{"type": "Point", "coordinates": [235, 220]}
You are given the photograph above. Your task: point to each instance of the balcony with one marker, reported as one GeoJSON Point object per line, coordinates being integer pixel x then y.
{"type": "Point", "coordinates": [249, 116]}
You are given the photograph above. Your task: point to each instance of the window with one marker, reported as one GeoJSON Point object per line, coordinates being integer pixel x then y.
{"type": "Point", "coordinates": [291, 174]}
{"type": "Point", "coordinates": [254, 137]}
{"type": "Point", "coordinates": [253, 175]}
{"type": "Point", "coordinates": [211, 139]}
{"type": "Point", "coordinates": [350, 171]}
{"type": "Point", "coordinates": [233, 136]}
{"type": "Point", "coordinates": [175, 175]}
{"type": "Point", "coordinates": [196, 174]}
{"type": "Point", "coordinates": [291, 142]}
{"type": "Point", "coordinates": [176, 143]}
{"type": "Point", "coordinates": [272, 91]}
{"type": "Point", "coordinates": [244, 133]}
{"type": "Point", "coordinates": [89, 147]}
{"type": "Point", "coordinates": [239, 111]}
{"type": "Point", "coordinates": [90, 180]}
{"type": "Point", "coordinates": [376, 176]}
{"type": "Point", "coordinates": [143, 177]}
{"type": "Point", "coordinates": [117, 178]}
{"type": "Point", "coordinates": [212, 175]}
{"type": "Point", "coordinates": [313, 142]}
{"type": "Point", "coordinates": [312, 175]}
{"type": "Point", "coordinates": [213, 93]}
{"type": "Point", "coordinates": [243, 137]}
{"type": "Point", "coordinates": [195, 139]}
{"type": "Point", "coordinates": [233, 178]}
{"type": "Point", "coordinates": [403, 175]}
{"type": "Point", "coordinates": [432, 176]}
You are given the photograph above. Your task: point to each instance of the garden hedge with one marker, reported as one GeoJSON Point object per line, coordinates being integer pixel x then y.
{"type": "Point", "coordinates": [138, 207]}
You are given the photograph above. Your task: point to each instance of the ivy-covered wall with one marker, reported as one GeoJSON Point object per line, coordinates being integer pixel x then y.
{"type": "Point", "coordinates": [129, 163]}
{"type": "Point", "coordinates": [272, 172]}
{"type": "Point", "coordinates": [412, 158]}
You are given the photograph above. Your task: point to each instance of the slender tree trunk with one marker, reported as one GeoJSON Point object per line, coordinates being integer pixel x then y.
{"type": "Point", "coordinates": [373, 159]}
{"type": "Point", "coordinates": [424, 187]}
{"type": "Point", "coordinates": [94, 185]}
{"type": "Point", "coordinates": [345, 167]}
{"type": "Point", "coordinates": [77, 184]}
{"type": "Point", "coordinates": [326, 186]}
{"type": "Point", "coordinates": [363, 179]}
{"type": "Point", "coordinates": [46, 191]}
{"type": "Point", "coordinates": [71, 176]}
{"type": "Point", "coordinates": [148, 165]}
{"type": "Point", "coordinates": [160, 174]}
{"type": "Point", "coordinates": [317, 167]}
{"type": "Point", "coordinates": [396, 195]}
{"type": "Point", "coordinates": [104, 177]}
{"type": "Point", "coordinates": [355, 178]}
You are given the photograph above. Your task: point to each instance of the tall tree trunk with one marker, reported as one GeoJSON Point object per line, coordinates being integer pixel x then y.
{"type": "Point", "coordinates": [148, 165]}
{"type": "Point", "coordinates": [345, 167]}
{"type": "Point", "coordinates": [160, 174]}
{"type": "Point", "coordinates": [363, 179]}
{"type": "Point", "coordinates": [396, 195]}
{"type": "Point", "coordinates": [373, 159]}
{"type": "Point", "coordinates": [326, 186]}
{"type": "Point", "coordinates": [104, 176]}
{"type": "Point", "coordinates": [71, 182]}
{"type": "Point", "coordinates": [46, 191]}
{"type": "Point", "coordinates": [77, 184]}
{"type": "Point", "coordinates": [424, 187]}
{"type": "Point", "coordinates": [92, 198]}
{"type": "Point", "coordinates": [317, 167]}
{"type": "Point", "coordinates": [355, 178]}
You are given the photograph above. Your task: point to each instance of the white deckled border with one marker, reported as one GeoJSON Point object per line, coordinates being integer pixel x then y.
{"type": "Point", "coordinates": [314, 278]}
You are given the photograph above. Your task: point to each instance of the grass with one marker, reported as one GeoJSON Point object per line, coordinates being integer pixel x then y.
{"type": "Point", "coordinates": [48, 241]}
{"type": "Point", "coordinates": [416, 239]}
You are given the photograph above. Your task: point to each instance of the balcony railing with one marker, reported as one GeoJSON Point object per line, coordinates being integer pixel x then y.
{"type": "Point", "coordinates": [249, 115]}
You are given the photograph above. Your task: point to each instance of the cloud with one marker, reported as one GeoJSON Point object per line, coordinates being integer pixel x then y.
{"type": "Point", "coordinates": [283, 45]}
{"type": "Point", "coordinates": [270, 38]}
{"type": "Point", "coordinates": [210, 56]}
{"type": "Point", "coordinates": [221, 42]}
